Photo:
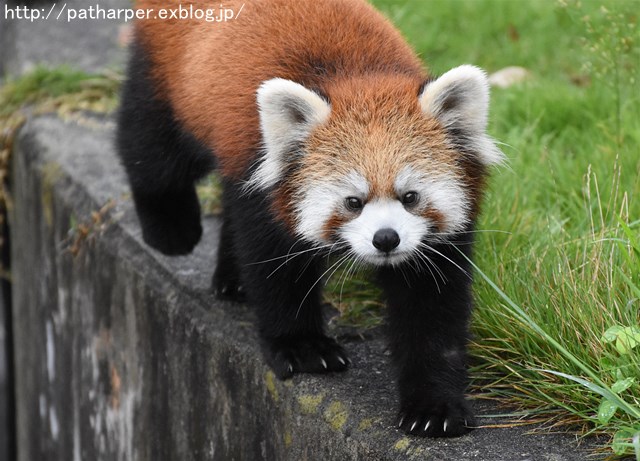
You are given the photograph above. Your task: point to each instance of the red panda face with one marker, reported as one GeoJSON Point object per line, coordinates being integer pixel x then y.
{"type": "Point", "coordinates": [385, 228]}
{"type": "Point", "coordinates": [380, 169]}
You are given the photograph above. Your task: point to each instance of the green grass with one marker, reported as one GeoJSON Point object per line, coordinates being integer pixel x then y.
{"type": "Point", "coordinates": [561, 287]}
{"type": "Point", "coordinates": [58, 88]}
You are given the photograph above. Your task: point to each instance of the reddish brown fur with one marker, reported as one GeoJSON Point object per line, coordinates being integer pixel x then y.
{"type": "Point", "coordinates": [436, 217]}
{"type": "Point", "coordinates": [345, 49]}
{"type": "Point", "coordinates": [210, 71]}
{"type": "Point", "coordinates": [376, 123]}
{"type": "Point", "coordinates": [332, 225]}
{"type": "Point", "coordinates": [282, 204]}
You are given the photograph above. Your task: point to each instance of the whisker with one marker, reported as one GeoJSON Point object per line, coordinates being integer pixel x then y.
{"type": "Point", "coordinates": [286, 261]}
{"type": "Point", "coordinates": [430, 248]}
{"type": "Point", "coordinates": [355, 265]}
{"type": "Point", "coordinates": [345, 275]}
{"type": "Point", "coordinates": [435, 266]}
{"type": "Point", "coordinates": [311, 259]}
{"type": "Point", "coordinates": [305, 267]}
{"type": "Point", "coordinates": [343, 259]}
{"type": "Point", "coordinates": [404, 276]}
{"type": "Point", "coordinates": [341, 246]}
{"type": "Point", "coordinates": [340, 260]}
{"type": "Point", "coordinates": [475, 231]}
{"type": "Point", "coordinates": [427, 262]}
{"type": "Point", "coordinates": [290, 257]}
{"type": "Point", "coordinates": [289, 254]}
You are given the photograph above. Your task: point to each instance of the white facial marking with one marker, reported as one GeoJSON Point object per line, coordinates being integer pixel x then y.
{"type": "Point", "coordinates": [321, 200]}
{"type": "Point", "coordinates": [383, 214]}
{"type": "Point", "coordinates": [443, 193]}
{"type": "Point", "coordinates": [288, 113]}
{"type": "Point", "coordinates": [460, 99]}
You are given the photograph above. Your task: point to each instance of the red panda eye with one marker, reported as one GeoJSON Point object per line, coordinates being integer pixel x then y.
{"type": "Point", "coordinates": [410, 198]}
{"type": "Point", "coordinates": [353, 203]}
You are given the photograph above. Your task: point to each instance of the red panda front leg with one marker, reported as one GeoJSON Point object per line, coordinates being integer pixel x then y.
{"type": "Point", "coordinates": [428, 317]}
{"type": "Point", "coordinates": [282, 285]}
{"type": "Point", "coordinates": [284, 288]}
{"type": "Point", "coordinates": [162, 162]}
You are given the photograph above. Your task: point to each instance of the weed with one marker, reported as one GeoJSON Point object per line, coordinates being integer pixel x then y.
{"type": "Point", "coordinates": [60, 90]}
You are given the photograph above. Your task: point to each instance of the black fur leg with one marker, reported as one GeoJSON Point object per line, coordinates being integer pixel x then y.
{"type": "Point", "coordinates": [284, 290]}
{"type": "Point", "coordinates": [428, 332]}
{"type": "Point", "coordinates": [227, 283]}
{"type": "Point", "coordinates": [162, 161]}
{"type": "Point", "coordinates": [170, 221]}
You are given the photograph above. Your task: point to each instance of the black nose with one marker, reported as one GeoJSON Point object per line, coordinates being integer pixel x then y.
{"type": "Point", "coordinates": [386, 240]}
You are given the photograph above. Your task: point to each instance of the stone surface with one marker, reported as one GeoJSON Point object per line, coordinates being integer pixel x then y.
{"type": "Point", "coordinates": [6, 398]}
{"type": "Point", "coordinates": [122, 353]}
{"type": "Point", "coordinates": [6, 387]}
{"type": "Point", "coordinates": [90, 44]}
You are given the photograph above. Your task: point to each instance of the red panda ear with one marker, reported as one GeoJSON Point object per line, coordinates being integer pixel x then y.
{"type": "Point", "coordinates": [288, 113]}
{"type": "Point", "coordinates": [459, 99]}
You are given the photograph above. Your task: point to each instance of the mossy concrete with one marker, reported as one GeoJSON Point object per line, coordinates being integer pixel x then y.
{"type": "Point", "coordinates": [123, 354]}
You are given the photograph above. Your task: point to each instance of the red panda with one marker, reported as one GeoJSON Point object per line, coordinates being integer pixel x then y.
{"type": "Point", "coordinates": [331, 138]}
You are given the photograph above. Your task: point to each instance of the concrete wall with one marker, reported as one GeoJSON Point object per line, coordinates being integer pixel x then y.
{"type": "Point", "coordinates": [89, 45]}
{"type": "Point", "coordinates": [116, 360]}
{"type": "Point", "coordinates": [122, 354]}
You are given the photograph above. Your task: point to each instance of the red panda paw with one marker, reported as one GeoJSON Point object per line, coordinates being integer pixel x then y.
{"type": "Point", "coordinates": [226, 284]}
{"type": "Point", "coordinates": [451, 419]}
{"type": "Point", "coordinates": [172, 239]}
{"type": "Point", "coordinates": [321, 354]}
{"type": "Point", "coordinates": [228, 289]}
{"type": "Point", "coordinates": [171, 221]}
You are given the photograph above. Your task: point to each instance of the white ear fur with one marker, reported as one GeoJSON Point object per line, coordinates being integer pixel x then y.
{"type": "Point", "coordinates": [459, 99]}
{"type": "Point", "coordinates": [288, 113]}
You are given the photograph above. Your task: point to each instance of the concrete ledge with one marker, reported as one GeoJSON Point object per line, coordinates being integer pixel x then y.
{"type": "Point", "coordinates": [122, 354]}
{"type": "Point", "coordinates": [90, 45]}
